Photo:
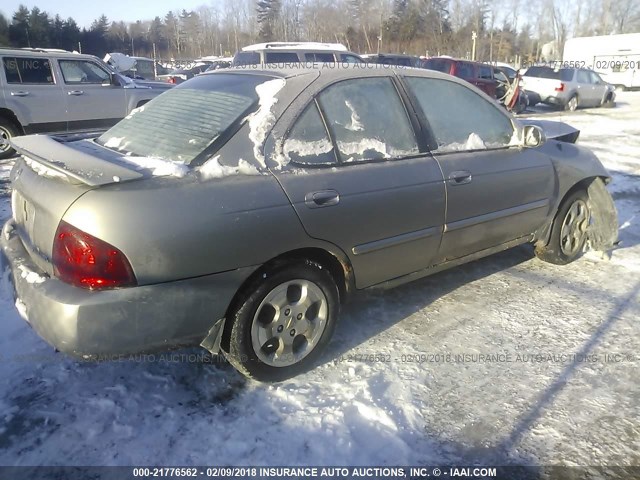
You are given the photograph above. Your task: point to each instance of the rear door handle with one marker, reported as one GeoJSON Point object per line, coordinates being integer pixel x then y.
{"type": "Point", "coordinates": [19, 94]}
{"type": "Point", "coordinates": [461, 177]}
{"type": "Point", "coordinates": [323, 198]}
{"type": "Point", "coordinates": [76, 92]}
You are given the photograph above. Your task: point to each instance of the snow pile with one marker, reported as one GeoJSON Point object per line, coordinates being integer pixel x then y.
{"type": "Point", "coordinates": [261, 121]}
{"type": "Point", "coordinates": [306, 149]}
{"type": "Point", "coordinates": [43, 170]}
{"type": "Point", "coordinates": [473, 142]}
{"type": "Point", "coordinates": [134, 111]}
{"type": "Point", "coordinates": [158, 166]}
{"type": "Point", "coordinates": [366, 144]}
{"type": "Point", "coordinates": [213, 169]}
{"type": "Point", "coordinates": [356, 123]}
{"type": "Point", "coordinates": [114, 142]}
{"type": "Point", "coordinates": [30, 276]}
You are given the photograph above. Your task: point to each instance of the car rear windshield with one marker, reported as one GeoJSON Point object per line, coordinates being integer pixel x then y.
{"type": "Point", "coordinates": [182, 122]}
{"type": "Point", "coordinates": [564, 74]}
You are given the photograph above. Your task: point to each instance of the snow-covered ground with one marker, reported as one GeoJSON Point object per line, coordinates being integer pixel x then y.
{"type": "Point", "coordinates": [402, 382]}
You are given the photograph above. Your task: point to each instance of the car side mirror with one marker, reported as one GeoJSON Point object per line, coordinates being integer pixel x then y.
{"type": "Point", "coordinates": [533, 136]}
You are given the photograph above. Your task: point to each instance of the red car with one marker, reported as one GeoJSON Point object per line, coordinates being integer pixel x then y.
{"type": "Point", "coordinates": [476, 73]}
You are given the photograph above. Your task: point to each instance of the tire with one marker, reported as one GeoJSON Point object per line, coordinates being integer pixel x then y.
{"type": "Point", "coordinates": [263, 341]}
{"type": "Point", "coordinates": [7, 131]}
{"type": "Point", "coordinates": [572, 104]}
{"type": "Point", "coordinates": [608, 103]}
{"type": "Point", "coordinates": [568, 231]}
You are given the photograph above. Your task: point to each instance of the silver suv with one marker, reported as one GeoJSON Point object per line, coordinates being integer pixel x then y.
{"type": "Point", "coordinates": [294, 52]}
{"type": "Point", "coordinates": [53, 91]}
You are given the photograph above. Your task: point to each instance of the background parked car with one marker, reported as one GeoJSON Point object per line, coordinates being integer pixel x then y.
{"type": "Point", "coordinates": [393, 59]}
{"type": "Point", "coordinates": [569, 88]}
{"type": "Point", "coordinates": [294, 52]}
{"type": "Point", "coordinates": [138, 68]}
{"type": "Point", "coordinates": [478, 74]}
{"type": "Point", "coordinates": [219, 64]}
{"type": "Point", "coordinates": [45, 91]}
{"type": "Point", "coordinates": [180, 75]}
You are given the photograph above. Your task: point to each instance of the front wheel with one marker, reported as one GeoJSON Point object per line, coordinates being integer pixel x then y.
{"type": "Point", "coordinates": [568, 231]}
{"type": "Point", "coordinates": [7, 132]}
{"type": "Point", "coordinates": [283, 322]}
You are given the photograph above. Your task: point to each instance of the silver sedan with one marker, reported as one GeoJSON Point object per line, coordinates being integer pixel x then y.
{"type": "Point", "coordinates": [238, 210]}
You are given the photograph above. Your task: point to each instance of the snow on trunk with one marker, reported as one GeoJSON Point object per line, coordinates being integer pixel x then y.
{"type": "Point", "coordinates": [157, 166]}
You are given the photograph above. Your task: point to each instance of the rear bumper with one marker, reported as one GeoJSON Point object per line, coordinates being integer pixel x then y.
{"type": "Point", "coordinates": [103, 324]}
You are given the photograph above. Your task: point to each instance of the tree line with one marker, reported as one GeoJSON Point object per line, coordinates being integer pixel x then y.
{"type": "Point", "coordinates": [503, 29]}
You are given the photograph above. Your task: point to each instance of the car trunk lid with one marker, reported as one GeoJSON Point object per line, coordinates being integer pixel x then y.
{"type": "Point", "coordinates": [49, 177]}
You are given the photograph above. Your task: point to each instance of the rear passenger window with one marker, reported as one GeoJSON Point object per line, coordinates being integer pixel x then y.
{"type": "Point", "coordinates": [319, 57]}
{"type": "Point", "coordinates": [460, 119]}
{"type": "Point", "coordinates": [308, 141]}
{"type": "Point", "coordinates": [485, 73]}
{"type": "Point", "coordinates": [465, 70]}
{"type": "Point", "coordinates": [583, 77]}
{"type": "Point", "coordinates": [368, 120]}
{"type": "Point", "coordinates": [281, 57]}
{"type": "Point", "coordinates": [27, 70]}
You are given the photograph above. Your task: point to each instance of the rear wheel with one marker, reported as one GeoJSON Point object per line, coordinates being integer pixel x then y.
{"type": "Point", "coordinates": [284, 321]}
{"type": "Point", "coordinates": [568, 231]}
{"type": "Point", "coordinates": [572, 104]}
{"type": "Point", "coordinates": [7, 131]}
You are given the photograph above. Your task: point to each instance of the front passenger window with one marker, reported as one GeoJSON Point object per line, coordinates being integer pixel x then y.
{"type": "Point", "coordinates": [459, 118]}
{"type": "Point", "coordinates": [81, 71]}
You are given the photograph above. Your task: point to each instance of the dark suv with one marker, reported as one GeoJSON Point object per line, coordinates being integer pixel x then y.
{"type": "Point", "coordinates": [476, 73]}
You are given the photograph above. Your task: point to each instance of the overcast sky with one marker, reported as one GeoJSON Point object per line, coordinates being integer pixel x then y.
{"type": "Point", "coordinates": [86, 11]}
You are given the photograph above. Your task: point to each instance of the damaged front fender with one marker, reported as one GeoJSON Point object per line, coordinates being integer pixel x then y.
{"type": "Point", "coordinates": [602, 234]}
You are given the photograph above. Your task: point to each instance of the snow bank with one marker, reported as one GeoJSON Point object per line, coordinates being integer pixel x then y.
{"type": "Point", "coordinates": [473, 142]}
{"type": "Point", "coordinates": [213, 169]}
{"type": "Point", "coordinates": [261, 121]}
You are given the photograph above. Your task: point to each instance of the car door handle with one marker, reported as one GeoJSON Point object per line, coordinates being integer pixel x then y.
{"type": "Point", "coordinates": [323, 198]}
{"type": "Point", "coordinates": [461, 177]}
{"type": "Point", "coordinates": [20, 94]}
{"type": "Point", "coordinates": [76, 92]}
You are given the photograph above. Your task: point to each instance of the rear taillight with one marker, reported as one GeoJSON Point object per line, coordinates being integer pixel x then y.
{"type": "Point", "coordinates": [88, 262]}
{"type": "Point", "coordinates": [172, 80]}
{"type": "Point", "coordinates": [560, 88]}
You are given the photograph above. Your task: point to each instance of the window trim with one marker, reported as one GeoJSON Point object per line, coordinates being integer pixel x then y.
{"type": "Point", "coordinates": [430, 134]}
{"type": "Point", "coordinates": [48, 59]}
{"type": "Point", "coordinates": [59, 60]}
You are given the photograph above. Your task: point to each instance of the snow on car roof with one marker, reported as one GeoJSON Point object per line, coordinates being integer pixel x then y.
{"type": "Point", "coordinates": [295, 46]}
